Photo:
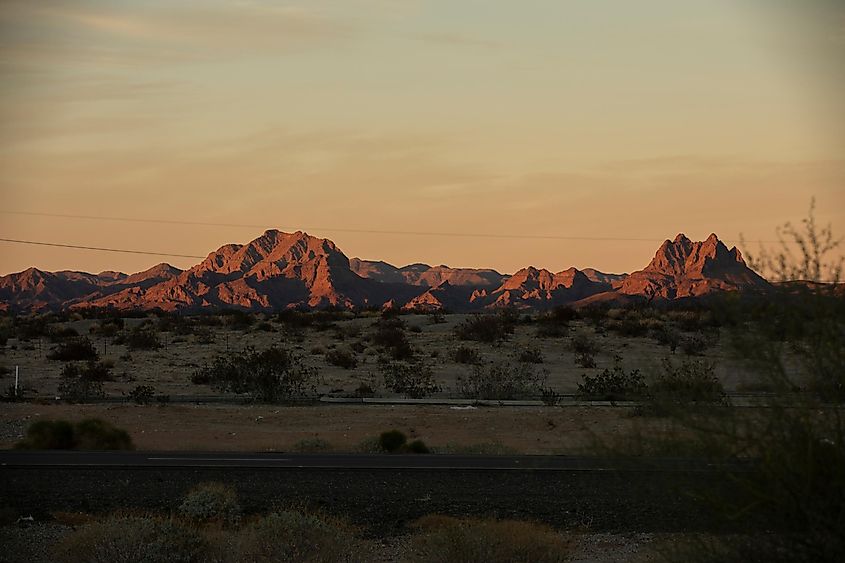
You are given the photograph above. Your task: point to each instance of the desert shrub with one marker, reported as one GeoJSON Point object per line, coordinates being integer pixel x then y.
{"type": "Point", "coordinates": [469, 540]}
{"type": "Point", "coordinates": [298, 538]}
{"type": "Point", "coordinates": [107, 328]}
{"type": "Point", "coordinates": [5, 370]}
{"type": "Point", "coordinates": [390, 335]}
{"type": "Point", "coordinates": [364, 390]}
{"type": "Point", "coordinates": [550, 397]}
{"type": "Point", "coordinates": [81, 383]}
{"type": "Point", "coordinates": [96, 434]}
{"type": "Point", "coordinates": [203, 335]}
{"type": "Point", "coordinates": [436, 317]}
{"type": "Point", "coordinates": [668, 336]}
{"type": "Point", "coordinates": [48, 435]}
{"type": "Point", "coordinates": [88, 434]}
{"type": "Point", "coordinates": [31, 327]}
{"type": "Point", "coordinates": [556, 322]}
{"type": "Point", "coordinates": [529, 355]}
{"type": "Point", "coordinates": [234, 319]}
{"type": "Point", "coordinates": [417, 447]}
{"type": "Point", "coordinates": [585, 360]}
{"type": "Point", "coordinates": [466, 355]}
{"type": "Point", "coordinates": [312, 445]}
{"type": "Point", "coordinates": [412, 380]}
{"type": "Point", "coordinates": [142, 394]}
{"type": "Point", "coordinates": [693, 344]}
{"type": "Point", "coordinates": [59, 333]}
{"type": "Point", "coordinates": [90, 371]}
{"type": "Point", "coordinates": [687, 382]}
{"type": "Point", "coordinates": [583, 344]}
{"type": "Point", "coordinates": [503, 382]}
{"type": "Point", "coordinates": [786, 503]}
{"type": "Point", "coordinates": [272, 375]}
{"type": "Point", "coordinates": [142, 337]}
{"type": "Point", "coordinates": [74, 350]}
{"type": "Point", "coordinates": [613, 384]}
{"type": "Point", "coordinates": [489, 328]}
{"type": "Point", "coordinates": [342, 358]}
{"type": "Point", "coordinates": [211, 502]}
{"type": "Point", "coordinates": [265, 326]}
{"type": "Point", "coordinates": [392, 440]}
{"type": "Point", "coordinates": [133, 539]}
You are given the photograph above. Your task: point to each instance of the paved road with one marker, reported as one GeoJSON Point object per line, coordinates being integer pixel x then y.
{"type": "Point", "coordinates": [340, 461]}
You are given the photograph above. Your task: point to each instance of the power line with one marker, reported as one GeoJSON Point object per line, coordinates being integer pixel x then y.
{"type": "Point", "coordinates": [358, 231]}
{"type": "Point", "coordinates": [80, 247]}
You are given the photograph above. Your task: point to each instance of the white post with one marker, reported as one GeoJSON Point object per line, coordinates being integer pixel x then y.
{"type": "Point", "coordinates": [16, 381]}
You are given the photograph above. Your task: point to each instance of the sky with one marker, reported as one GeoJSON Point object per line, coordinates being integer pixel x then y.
{"type": "Point", "coordinates": [564, 132]}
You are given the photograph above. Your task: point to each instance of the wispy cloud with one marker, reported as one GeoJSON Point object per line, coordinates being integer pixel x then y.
{"type": "Point", "coordinates": [457, 40]}
{"type": "Point", "coordinates": [134, 33]}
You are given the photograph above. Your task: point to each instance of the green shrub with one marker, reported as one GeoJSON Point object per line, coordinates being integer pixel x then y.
{"type": "Point", "coordinates": [142, 337]}
{"type": "Point", "coordinates": [613, 384]}
{"type": "Point", "coordinates": [211, 502]}
{"type": "Point", "coordinates": [133, 539]}
{"type": "Point", "coordinates": [392, 440]}
{"type": "Point", "coordinates": [48, 435]}
{"type": "Point", "coordinates": [312, 445]}
{"type": "Point", "coordinates": [272, 375]}
{"type": "Point", "coordinates": [80, 384]}
{"type": "Point", "coordinates": [444, 539]}
{"type": "Point", "coordinates": [342, 358]}
{"type": "Point", "coordinates": [415, 381]}
{"type": "Point", "coordinates": [390, 335]}
{"type": "Point", "coordinates": [583, 344]}
{"type": "Point", "coordinates": [505, 381]}
{"type": "Point", "coordinates": [489, 328]}
{"type": "Point", "coordinates": [74, 349]}
{"type": "Point", "coordinates": [96, 434]}
{"type": "Point", "coordinates": [466, 355]}
{"type": "Point", "coordinates": [687, 382]}
{"type": "Point", "coordinates": [88, 434]}
{"type": "Point", "coordinates": [529, 356]}
{"type": "Point", "coordinates": [585, 360]}
{"type": "Point", "coordinates": [142, 394]}
{"type": "Point", "coordinates": [59, 333]}
{"type": "Point", "coordinates": [417, 447]}
{"type": "Point", "coordinates": [296, 537]}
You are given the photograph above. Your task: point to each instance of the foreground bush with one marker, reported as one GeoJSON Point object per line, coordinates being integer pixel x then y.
{"type": "Point", "coordinates": [443, 539]}
{"type": "Point", "coordinates": [88, 434]}
{"type": "Point", "coordinates": [133, 539]}
{"type": "Point", "coordinates": [392, 440]}
{"type": "Point", "coordinates": [296, 537]}
{"type": "Point", "coordinates": [211, 502]}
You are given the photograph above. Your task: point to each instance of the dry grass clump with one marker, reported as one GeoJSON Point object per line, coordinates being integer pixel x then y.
{"type": "Point", "coordinates": [133, 539]}
{"type": "Point", "coordinates": [296, 537]}
{"type": "Point", "coordinates": [444, 539]}
{"type": "Point", "coordinates": [211, 502]}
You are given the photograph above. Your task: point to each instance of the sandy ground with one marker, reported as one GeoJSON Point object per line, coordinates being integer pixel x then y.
{"type": "Point", "coordinates": [169, 368]}
{"type": "Point", "coordinates": [531, 430]}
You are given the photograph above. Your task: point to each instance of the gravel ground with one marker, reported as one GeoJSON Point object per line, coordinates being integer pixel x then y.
{"type": "Point", "coordinates": [33, 542]}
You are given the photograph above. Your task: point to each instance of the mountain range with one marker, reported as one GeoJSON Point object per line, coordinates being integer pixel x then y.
{"type": "Point", "coordinates": [281, 270]}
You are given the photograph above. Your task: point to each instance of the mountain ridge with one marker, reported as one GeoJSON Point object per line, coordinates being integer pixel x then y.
{"type": "Point", "coordinates": [280, 270]}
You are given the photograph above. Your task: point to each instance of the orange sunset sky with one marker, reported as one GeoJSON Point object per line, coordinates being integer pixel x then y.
{"type": "Point", "coordinates": [615, 122]}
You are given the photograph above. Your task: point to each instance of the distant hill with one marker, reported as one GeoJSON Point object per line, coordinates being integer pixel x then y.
{"type": "Point", "coordinates": [281, 270]}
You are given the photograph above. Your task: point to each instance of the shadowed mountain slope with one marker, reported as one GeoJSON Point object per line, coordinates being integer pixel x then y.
{"type": "Point", "coordinates": [281, 270]}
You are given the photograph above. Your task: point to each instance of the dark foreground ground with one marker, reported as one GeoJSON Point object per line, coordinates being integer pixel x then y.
{"type": "Point", "coordinates": [384, 499]}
